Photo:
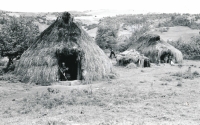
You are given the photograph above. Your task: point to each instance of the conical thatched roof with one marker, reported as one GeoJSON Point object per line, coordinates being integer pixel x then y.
{"type": "Point", "coordinates": [39, 64]}
{"type": "Point", "coordinates": [153, 47]}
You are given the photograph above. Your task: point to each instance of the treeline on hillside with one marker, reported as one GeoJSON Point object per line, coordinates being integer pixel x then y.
{"type": "Point", "coordinates": [108, 28]}
{"type": "Point", "coordinates": [182, 20]}
{"type": "Point", "coordinates": [39, 17]}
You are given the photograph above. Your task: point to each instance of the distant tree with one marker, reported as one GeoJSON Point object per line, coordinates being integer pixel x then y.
{"type": "Point", "coordinates": [181, 21]}
{"type": "Point", "coordinates": [172, 17]}
{"type": "Point", "coordinates": [107, 36]}
{"type": "Point", "coordinates": [138, 33]}
{"type": "Point", "coordinates": [16, 36]}
{"type": "Point", "coordinates": [190, 48]}
{"type": "Point", "coordinates": [2, 20]}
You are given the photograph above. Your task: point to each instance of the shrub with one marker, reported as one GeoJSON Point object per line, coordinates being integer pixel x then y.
{"type": "Point", "coordinates": [189, 49]}
{"type": "Point", "coordinates": [107, 36]}
{"type": "Point", "coordinates": [178, 74]}
{"type": "Point", "coordinates": [195, 73]}
{"type": "Point", "coordinates": [178, 20]}
{"type": "Point", "coordinates": [16, 36]}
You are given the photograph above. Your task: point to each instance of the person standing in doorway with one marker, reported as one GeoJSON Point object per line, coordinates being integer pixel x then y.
{"type": "Point", "coordinates": [65, 72]}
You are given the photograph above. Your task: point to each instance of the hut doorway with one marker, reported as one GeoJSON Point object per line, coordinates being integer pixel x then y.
{"type": "Point", "coordinates": [71, 64]}
{"type": "Point", "coordinates": [166, 57]}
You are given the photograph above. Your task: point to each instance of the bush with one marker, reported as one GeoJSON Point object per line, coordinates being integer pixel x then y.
{"type": "Point", "coordinates": [16, 36]}
{"type": "Point", "coordinates": [189, 49]}
{"type": "Point", "coordinates": [107, 36]}
{"type": "Point", "coordinates": [195, 73]}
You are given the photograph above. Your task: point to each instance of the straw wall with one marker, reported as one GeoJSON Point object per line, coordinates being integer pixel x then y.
{"type": "Point", "coordinates": [152, 47]}
{"type": "Point", "coordinates": [39, 63]}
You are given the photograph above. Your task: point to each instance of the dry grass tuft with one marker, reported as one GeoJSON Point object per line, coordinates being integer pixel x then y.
{"type": "Point", "coordinates": [187, 75]}
{"type": "Point", "coordinates": [131, 66]}
{"type": "Point", "coordinates": [10, 78]}
{"type": "Point", "coordinates": [166, 79]}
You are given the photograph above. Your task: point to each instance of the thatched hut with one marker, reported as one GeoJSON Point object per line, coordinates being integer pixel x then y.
{"type": "Point", "coordinates": [129, 56]}
{"type": "Point", "coordinates": [156, 49]}
{"type": "Point", "coordinates": [63, 41]}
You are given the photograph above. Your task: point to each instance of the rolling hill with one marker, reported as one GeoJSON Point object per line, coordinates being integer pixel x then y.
{"type": "Point", "coordinates": [176, 32]}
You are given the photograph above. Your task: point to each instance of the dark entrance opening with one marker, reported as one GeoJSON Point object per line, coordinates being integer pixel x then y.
{"type": "Point", "coordinates": [70, 62]}
{"type": "Point", "coordinates": [166, 57]}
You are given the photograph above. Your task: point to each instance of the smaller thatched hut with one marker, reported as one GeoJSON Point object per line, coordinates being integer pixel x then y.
{"type": "Point", "coordinates": [130, 56]}
{"type": "Point", "coordinates": [156, 49]}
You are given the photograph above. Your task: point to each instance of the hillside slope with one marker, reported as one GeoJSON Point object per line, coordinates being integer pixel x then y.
{"type": "Point", "coordinates": [176, 32]}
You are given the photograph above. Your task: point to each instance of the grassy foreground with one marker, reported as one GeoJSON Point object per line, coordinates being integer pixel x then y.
{"type": "Point", "coordinates": [160, 95]}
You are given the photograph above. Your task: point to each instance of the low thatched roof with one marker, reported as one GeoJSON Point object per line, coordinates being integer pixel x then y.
{"type": "Point", "coordinates": [153, 47]}
{"type": "Point", "coordinates": [39, 64]}
{"type": "Point", "coordinates": [129, 56]}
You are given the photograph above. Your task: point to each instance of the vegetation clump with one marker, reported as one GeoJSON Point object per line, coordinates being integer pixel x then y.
{"type": "Point", "coordinates": [190, 49]}
{"type": "Point", "coordinates": [16, 35]}
{"type": "Point", "coordinates": [187, 75]}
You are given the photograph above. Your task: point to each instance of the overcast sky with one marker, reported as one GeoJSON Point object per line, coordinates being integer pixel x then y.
{"type": "Point", "coordinates": [161, 6]}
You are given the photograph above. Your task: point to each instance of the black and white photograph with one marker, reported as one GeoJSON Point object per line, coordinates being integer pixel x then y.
{"type": "Point", "coordinates": [99, 62]}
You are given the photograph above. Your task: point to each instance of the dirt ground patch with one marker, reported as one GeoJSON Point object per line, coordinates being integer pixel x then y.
{"type": "Point", "coordinates": [141, 96]}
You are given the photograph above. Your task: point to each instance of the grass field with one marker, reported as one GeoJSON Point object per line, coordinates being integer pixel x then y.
{"type": "Point", "coordinates": [141, 96]}
{"type": "Point", "coordinates": [174, 33]}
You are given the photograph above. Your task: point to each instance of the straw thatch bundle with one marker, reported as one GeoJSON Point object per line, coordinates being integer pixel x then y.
{"type": "Point", "coordinates": [39, 64]}
{"type": "Point", "coordinates": [131, 66]}
{"type": "Point", "coordinates": [152, 47]}
{"type": "Point", "coordinates": [129, 56]}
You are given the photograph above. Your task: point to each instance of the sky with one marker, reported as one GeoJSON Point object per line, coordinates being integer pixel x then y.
{"type": "Point", "coordinates": [158, 6]}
